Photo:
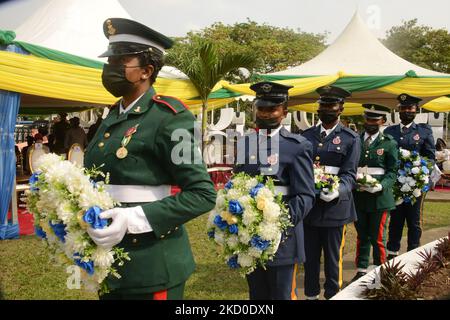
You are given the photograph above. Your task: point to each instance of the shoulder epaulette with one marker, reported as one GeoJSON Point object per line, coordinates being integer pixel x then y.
{"type": "Point", "coordinates": [175, 104]}
{"type": "Point", "coordinates": [293, 136]}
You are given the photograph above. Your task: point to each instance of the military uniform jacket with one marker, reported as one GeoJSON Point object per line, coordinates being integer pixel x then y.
{"type": "Point", "coordinates": [341, 148]}
{"type": "Point", "coordinates": [419, 137]}
{"type": "Point", "coordinates": [162, 258]}
{"type": "Point", "coordinates": [381, 153]}
{"type": "Point", "coordinates": [291, 166]}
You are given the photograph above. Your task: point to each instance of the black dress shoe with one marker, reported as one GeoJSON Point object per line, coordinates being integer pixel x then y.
{"type": "Point", "coordinates": [358, 275]}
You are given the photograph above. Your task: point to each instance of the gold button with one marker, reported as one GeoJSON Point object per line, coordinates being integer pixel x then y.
{"type": "Point", "coordinates": [107, 135]}
{"type": "Point", "coordinates": [101, 145]}
{"type": "Point", "coordinates": [176, 228]}
{"type": "Point", "coordinates": [320, 144]}
{"type": "Point", "coordinates": [367, 152]}
{"type": "Point", "coordinates": [317, 158]}
{"type": "Point", "coordinates": [134, 241]}
{"type": "Point", "coordinates": [338, 148]}
{"type": "Point", "coordinates": [367, 156]}
{"type": "Point", "coordinates": [270, 169]}
{"type": "Point", "coordinates": [401, 138]}
{"type": "Point", "coordinates": [168, 232]}
{"type": "Point", "coordinates": [252, 157]}
{"type": "Point", "coordinates": [162, 236]}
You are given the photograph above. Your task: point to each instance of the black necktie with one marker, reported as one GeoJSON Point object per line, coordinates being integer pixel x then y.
{"type": "Point", "coordinates": [405, 129]}
{"type": "Point", "coordinates": [323, 134]}
{"type": "Point", "coordinates": [367, 142]}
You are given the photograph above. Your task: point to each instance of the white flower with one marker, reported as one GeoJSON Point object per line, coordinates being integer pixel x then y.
{"type": "Point", "coordinates": [359, 176]}
{"type": "Point", "coordinates": [415, 170]}
{"type": "Point", "coordinates": [251, 183]}
{"type": "Point", "coordinates": [264, 193]}
{"type": "Point", "coordinates": [405, 188]}
{"type": "Point", "coordinates": [220, 202]}
{"type": "Point", "coordinates": [268, 231]}
{"type": "Point", "coordinates": [271, 211]}
{"type": "Point", "coordinates": [401, 179]}
{"type": "Point", "coordinates": [232, 241]}
{"type": "Point", "coordinates": [211, 217]}
{"type": "Point", "coordinates": [244, 236]}
{"type": "Point", "coordinates": [254, 252]}
{"type": "Point", "coordinates": [245, 201]}
{"type": "Point", "coordinates": [219, 237]}
{"type": "Point", "coordinates": [412, 182]}
{"type": "Point", "coordinates": [417, 193]}
{"type": "Point", "coordinates": [425, 179]}
{"type": "Point", "coordinates": [103, 258]}
{"type": "Point", "coordinates": [245, 260]}
{"type": "Point", "coordinates": [416, 163]}
{"type": "Point", "coordinates": [249, 216]}
{"type": "Point", "coordinates": [399, 202]}
{"type": "Point", "coordinates": [405, 153]}
{"type": "Point", "coordinates": [234, 194]}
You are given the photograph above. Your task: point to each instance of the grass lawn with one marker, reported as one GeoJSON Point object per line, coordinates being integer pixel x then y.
{"type": "Point", "coordinates": [26, 273]}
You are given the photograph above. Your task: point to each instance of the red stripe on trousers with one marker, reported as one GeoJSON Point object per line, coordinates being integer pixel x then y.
{"type": "Point", "coordinates": [160, 295]}
{"type": "Point", "coordinates": [380, 238]}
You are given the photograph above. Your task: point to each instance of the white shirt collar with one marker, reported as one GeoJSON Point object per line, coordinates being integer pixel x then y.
{"type": "Point", "coordinates": [408, 125]}
{"type": "Point", "coordinates": [328, 131]}
{"type": "Point", "coordinates": [372, 137]}
{"type": "Point", "coordinates": [272, 132]}
{"type": "Point", "coordinates": [131, 105]}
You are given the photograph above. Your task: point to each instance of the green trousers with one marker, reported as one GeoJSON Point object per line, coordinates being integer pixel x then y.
{"type": "Point", "coordinates": [371, 229]}
{"type": "Point", "coordinates": [174, 293]}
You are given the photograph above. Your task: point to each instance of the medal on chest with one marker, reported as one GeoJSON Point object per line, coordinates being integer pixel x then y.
{"type": "Point", "coordinates": [416, 137]}
{"type": "Point", "coordinates": [122, 152]}
{"type": "Point", "coordinates": [380, 152]}
{"type": "Point", "coordinates": [337, 140]}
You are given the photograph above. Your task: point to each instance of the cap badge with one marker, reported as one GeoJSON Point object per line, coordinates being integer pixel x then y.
{"type": "Point", "coordinates": [380, 152]}
{"type": "Point", "coordinates": [373, 108]}
{"type": "Point", "coordinates": [266, 87]}
{"type": "Point", "coordinates": [327, 88]}
{"type": "Point", "coordinates": [272, 159]}
{"type": "Point", "coordinates": [403, 97]}
{"type": "Point", "coordinates": [337, 140]}
{"type": "Point", "coordinates": [111, 29]}
{"type": "Point", "coordinates": [416, 137]}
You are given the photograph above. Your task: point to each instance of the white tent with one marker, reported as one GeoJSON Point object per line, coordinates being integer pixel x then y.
{"type": "Point", "coordinates": [357, 52]}
{"type": "Point", "coordinates": [76, 27]}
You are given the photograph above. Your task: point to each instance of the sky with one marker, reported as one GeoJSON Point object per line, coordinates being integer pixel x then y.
{"type": "Point", "coordinates": [177, 17]}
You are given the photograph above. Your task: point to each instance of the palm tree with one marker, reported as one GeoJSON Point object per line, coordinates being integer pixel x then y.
{"type": "Point", "coordinates": [205, 68]}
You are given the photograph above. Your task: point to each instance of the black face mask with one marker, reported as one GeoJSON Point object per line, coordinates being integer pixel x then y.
{"type": "Point", "coordinates": [270, 123]}
{"type": "Point", "coordinates": [115, 81]}
{"type": "Point", "coordinates": [371, 128]}
{"type": "Point", "coordinates": [328, 117]}
{"type": "Point", "coordinates": [407, 117]}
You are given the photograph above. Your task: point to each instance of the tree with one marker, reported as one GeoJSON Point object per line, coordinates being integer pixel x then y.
{"type": "Point", "coordinates": [421, 45]}
{"type": "Point", "coordinates": [205, 67]}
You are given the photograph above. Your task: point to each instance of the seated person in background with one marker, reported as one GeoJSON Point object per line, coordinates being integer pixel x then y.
{"type": "Point", "coordinates": [26, 166]}
{"type": "Point", "coordinates": [75, 134]}
{"type": "Point", "coordinates": [442, 154]}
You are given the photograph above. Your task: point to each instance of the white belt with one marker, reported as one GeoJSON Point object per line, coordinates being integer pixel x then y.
{"type": "Point", "coordinates": [371, 170]}
{"type": "Point", "coordinates": [284, 190]}
{"type": "Point", "coordinates": [132, 193]}
{"type": "Point", "coordinates": [331, 170]}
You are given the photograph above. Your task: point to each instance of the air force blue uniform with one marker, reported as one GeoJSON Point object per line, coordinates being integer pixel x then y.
{"type": "Point", "coordinates": [418, 137]}
{"type": "Point", "coordinates": [325, 224]}
{"type": "Point", "coordinates": [286, 158]}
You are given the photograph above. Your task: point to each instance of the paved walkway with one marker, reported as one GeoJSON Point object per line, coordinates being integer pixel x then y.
{"type": "Point", "coordinates": [438, 196]}
{"type": "Point", "coordinates": [349, 265]}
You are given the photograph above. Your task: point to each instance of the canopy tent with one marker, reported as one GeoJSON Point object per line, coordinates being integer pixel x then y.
{"type": "Point", "coordinates": [359, 62]}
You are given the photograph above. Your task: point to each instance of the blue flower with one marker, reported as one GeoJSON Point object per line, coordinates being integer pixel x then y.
{"type": "Point", "coordinates": [414, 153]}
{"type": "Point", "coordinates": [94, 184]}
{"type": "Point", "coordinates": [259, 243]}
{"type": "Point", "coordinates": [211, 234]}
{"type": "Point", "coordinates": [59, 231]}
{"type": "Point", "coordinates": [407, 200]}
{"type": "Point", "coordinates": [88, 266]}
{"type": "Point", "coordinates": [235, 207]}
{"type": "Point", "coordinates": [228, 185]}
{"type": "Point", "coordinates": [233, 229]}
{"type": "Point", "coordinates": [402, 172]}
{"type": "Point", "coordinates": [425, 170]}
{"type": "Point", "coordinates": [232, 262]}
{"type": "Point", "coordinates": [92, 217]}
{"type": "Point", "coordinates": [39, 232]}
{"type": "Point", "coordinates": [34, 177]}
{"type": "Point", "coordinates": [255, 190]}
{"type": "Point", "coordinates": [220, 223]}
{"type": "Point", "coordinates": [408, 164]}
{"type": "Point", "coordinates": [426, 188]}
{"type": "Point", "coordinates": [423, 162]}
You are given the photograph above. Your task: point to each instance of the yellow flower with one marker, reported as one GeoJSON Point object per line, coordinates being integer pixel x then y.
{"type": "Point", "coordinates": [81, 222]}
{"type": "Point", "coordinates": [261, 203]}
{"type": "Point", "coordinates": [228, 217]}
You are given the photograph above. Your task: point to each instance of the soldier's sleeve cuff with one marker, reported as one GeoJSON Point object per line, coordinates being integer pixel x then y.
{"type": "Point", "coordinates": [137, 221]}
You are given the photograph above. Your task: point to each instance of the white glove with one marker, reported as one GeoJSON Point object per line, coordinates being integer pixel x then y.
{"type": "Point", "coordinates": [329, 196]}
{"type": "Point", "coordinates": [377, 188]}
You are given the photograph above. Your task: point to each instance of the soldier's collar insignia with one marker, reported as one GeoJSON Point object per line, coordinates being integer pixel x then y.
{"type": "Point", "coordinates": [137, 109]}
{"type": "Point", "coordinates": [337, 140]}
{"type": "Point", "coordinates": [111, 29]}
{"type": "Point", "coordinates": [266, 87]}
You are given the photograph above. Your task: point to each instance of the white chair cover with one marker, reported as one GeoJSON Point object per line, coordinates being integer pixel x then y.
{"type": "Point", "coordinates": [76, 155]}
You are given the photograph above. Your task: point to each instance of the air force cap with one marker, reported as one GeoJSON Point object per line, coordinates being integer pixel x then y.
{"type": "Point", "coordinates": [332, 94]}
{"type": "Point", "coordinates": [130, 37]}
{"type": "Point", "coordinates": [407, 100]}
{"type": "Point", "coordinates": [270, 94]}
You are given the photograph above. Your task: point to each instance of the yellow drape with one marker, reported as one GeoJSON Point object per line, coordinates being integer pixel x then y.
{"type": "Point", "coordinates": [438, 105]}
{"type": "Point", "coordinates": [41, 77]}
{"type": "Point", "coordinates": [350, 109]}
{"type": "Point", "coordinates": [422, 87]}
{"type": "Point", "coordinates": [301, 86]}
